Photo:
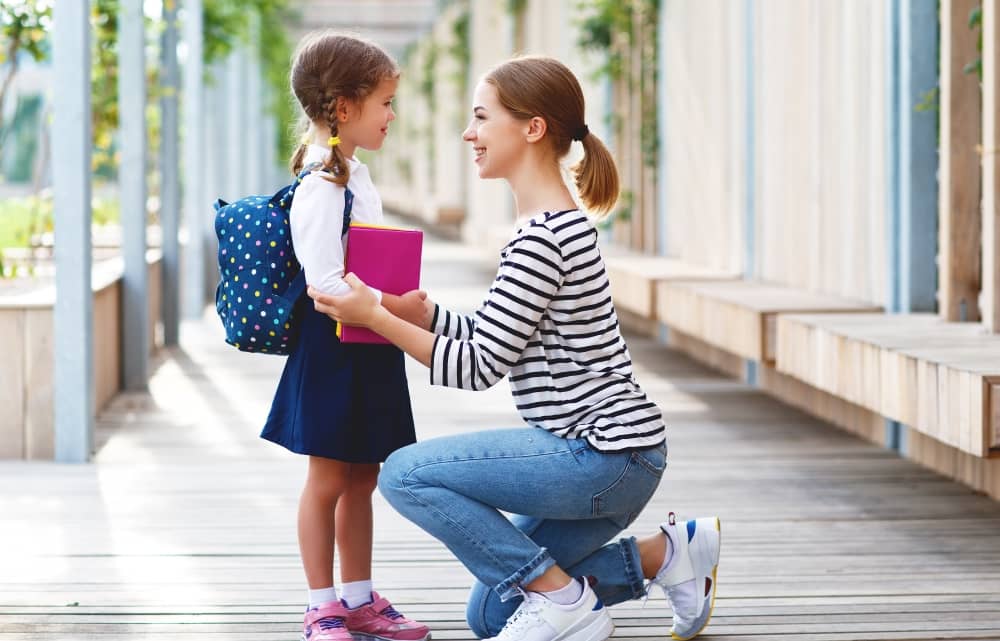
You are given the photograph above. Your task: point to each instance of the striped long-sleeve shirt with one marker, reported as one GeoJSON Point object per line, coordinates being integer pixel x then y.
{"type": "Point", "coordinates": [549, 323]}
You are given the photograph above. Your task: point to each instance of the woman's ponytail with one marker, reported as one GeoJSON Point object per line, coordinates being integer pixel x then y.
{"type": "Point", "coordinates": [596, 176]}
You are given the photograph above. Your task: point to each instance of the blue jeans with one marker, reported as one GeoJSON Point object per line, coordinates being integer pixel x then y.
{"type": "Point", "coordinates": [568, 501]}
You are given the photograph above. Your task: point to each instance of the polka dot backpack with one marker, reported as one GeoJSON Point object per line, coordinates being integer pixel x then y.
{"type": "Point", "coordinates": [261, 283]}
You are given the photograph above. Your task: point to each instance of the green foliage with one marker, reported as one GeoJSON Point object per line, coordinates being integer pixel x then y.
{"type": "Point", "coordinates": [23, 132]}
{"type": "Point", "coordinates": [607, 22]}
{"type": "Point", "coordinates": [23, 24]}
{"type": "Point", "coordinates": [275, 50]}
{"type": "Point", "coordinates": [104, 86]}
{"type": "Point", "coordinates": [516, 7]}
{"type": "Point", "coordinates": [23, 218]}
{"type": "Point", "coordinates": [229, 23]}
{"type": "Point", "coordinates": [976, 24]}
{"type": "Point", "coordinates": [610, 29]}
{"type": "Point", "coordinates": [17, 219]}
{"type": "Point", "coordinates": [928, 101]}
{"type": "Point", "coordinates": [427, 74]}
{"type": "Point", "coordinates": [460, 50]}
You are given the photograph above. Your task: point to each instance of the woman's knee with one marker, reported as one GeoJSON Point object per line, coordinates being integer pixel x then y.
{"type": "Point", "coordinates": [392, 475]}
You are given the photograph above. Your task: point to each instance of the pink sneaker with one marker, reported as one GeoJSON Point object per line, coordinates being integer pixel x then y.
{"type": "Point", "coordinates": [326, 622]}
{"type": "Point", "coordinates": [379, 621]}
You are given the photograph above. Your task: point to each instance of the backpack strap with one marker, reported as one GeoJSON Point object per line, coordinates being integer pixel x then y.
{"type": "Point", "coordinates": [297, 288]}
{"type": "Point", "coordinates": [348, 204]}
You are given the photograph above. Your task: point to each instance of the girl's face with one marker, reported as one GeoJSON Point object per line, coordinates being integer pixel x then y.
{"type": "Point", "coordinates": [367, 123]}
{"type": "Point", "coordinates": [498, 139]}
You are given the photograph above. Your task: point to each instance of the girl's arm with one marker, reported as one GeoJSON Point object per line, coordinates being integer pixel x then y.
{"type": "Point", "coordinates": [316, 221]}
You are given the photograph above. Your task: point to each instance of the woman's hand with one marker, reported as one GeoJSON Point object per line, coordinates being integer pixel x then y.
{"type": "Point", "coordinates": [414, 307]}
{"type": "Point", "coordinates": [360, 307]}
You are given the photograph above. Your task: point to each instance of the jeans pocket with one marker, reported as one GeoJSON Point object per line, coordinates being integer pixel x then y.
{"type": "Point", "coordinates": [624, 499]}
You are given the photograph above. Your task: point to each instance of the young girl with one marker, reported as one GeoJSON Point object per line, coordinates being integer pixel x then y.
{"type": "Point", "coordinates": [346, 407]}
{"type": "Point", "coordinates": [595, 450]}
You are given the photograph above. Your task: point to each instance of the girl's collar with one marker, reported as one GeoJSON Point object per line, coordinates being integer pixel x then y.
{"type": "Point", "coordinates": [323, 150]}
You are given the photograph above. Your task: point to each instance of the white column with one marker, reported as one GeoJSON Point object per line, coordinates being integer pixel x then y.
{"type": "Point", "coordinates": [169, 181]}
{"type": "Point", "coordinates": [991, 166]}
{"type": "Point", "coordinates": [273, 173]}
{"type": "Point", "coordinates": [71, 147]}
{"type": "Point", "coordinates": [132, 193]}
{"type": "Point", "coordinates": [255, 111]}
{"type": "Point", "coordinates": [489, 210]}
{"type": "Point", "coordinates": [195, 210]}
{"type": "Point", "coordinates": [215, 167]}
{"type": "Point", "coordinates": [236, 126]}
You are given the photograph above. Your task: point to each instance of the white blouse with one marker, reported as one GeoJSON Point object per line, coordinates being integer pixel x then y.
{"type": "Point", "coordinates": [317, 218]}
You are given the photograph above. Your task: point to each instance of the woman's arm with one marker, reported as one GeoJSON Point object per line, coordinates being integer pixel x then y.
{"type": "Point", "coordinates": [525, 285]}
{"type": "Point", "coordinates": [361, 307]}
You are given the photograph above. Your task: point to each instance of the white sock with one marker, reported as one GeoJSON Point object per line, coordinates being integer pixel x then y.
{"type": "Point", "coordinates": [685, 596]}
{"type": "Point", "coordinates": [567, 595]}
{"type": "Point", "coordinates": [321, 596]}
{"type": "Point", "coordinates": [356, 593]}
{"type": "Point", "coordinates": [671, 554]}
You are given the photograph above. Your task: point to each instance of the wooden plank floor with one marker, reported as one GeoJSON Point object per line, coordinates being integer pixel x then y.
{"type": "Point", "coordinates": [184, 527]}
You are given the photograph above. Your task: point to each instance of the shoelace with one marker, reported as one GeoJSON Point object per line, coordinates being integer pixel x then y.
{"type": "Point", "coordinates": [520, 615]}
{"type": "Point", "coordinates": [392, 613]}
{"type": "Point", "coordinates": [329, 623]}
{"type": "Point", "coordinates": [649, 586]}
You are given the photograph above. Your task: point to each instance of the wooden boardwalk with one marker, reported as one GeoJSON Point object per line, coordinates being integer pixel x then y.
{"type": "Point", "coordinates": [184, 527]}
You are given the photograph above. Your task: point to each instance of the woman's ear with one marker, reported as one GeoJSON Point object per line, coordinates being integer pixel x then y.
{"type": "Point", "coordinates": [536, 129]}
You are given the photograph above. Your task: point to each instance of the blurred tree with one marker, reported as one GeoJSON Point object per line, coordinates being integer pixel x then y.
{"type": "Point", "coordinates": [227, 24]}
{"type": "Point", "coordinates": [23, 24]}
{"type": "Point", "coordinates": [104, 86]}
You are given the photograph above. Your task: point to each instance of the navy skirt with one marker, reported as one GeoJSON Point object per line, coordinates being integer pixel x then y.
{"type": "Point", "coordinates": [348, 402]}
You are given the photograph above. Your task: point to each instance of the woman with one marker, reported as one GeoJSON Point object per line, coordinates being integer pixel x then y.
{"type": "Point", "coordinates": [596, 448]}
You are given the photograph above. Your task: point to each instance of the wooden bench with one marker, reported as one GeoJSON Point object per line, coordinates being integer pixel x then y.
{"type": "Point", "coordinates": [27, 391]}
{"type": "Point", "coordinates": [634, 279]}
{"type": "Point", "coordinates": [741, 316]}
{"type": "Point", "coordinates": [940, 378]}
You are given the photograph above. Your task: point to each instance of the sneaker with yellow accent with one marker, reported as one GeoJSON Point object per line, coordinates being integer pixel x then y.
{"type": "Point", "coordinates": [688, 580]}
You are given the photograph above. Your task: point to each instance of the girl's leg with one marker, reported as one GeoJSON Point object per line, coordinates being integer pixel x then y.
{"type": "Point", "coordinates": [354, 523]}
{"type": "Point", "coordinates": [325, 483]}
{"type": "Point", "coordinates": [370, 616]}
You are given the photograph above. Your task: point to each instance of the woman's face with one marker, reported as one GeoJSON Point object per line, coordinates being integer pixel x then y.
{"type": "Point", "coordinates": [497, 138]}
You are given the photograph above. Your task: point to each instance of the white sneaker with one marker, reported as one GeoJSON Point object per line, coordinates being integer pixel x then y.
{"type": "Point", "coordinates": [689, 580]}
{"type": "Point", "coordinates": [539, 619]}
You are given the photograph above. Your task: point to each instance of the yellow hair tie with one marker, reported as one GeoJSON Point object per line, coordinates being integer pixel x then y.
{"type": "Point", "coordinates": [333, 141]}
{"type": "Point", "coordinates": [306, 138]}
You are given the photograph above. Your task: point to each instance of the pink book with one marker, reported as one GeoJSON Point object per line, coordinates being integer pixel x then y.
{"type": "Point", "coordinates": [386, 258]}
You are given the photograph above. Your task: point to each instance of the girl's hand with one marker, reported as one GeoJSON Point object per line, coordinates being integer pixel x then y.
{"type": "Point", "coordinates": [416, 308]}
{"type": "Point", "coordinates": [360, 307]}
